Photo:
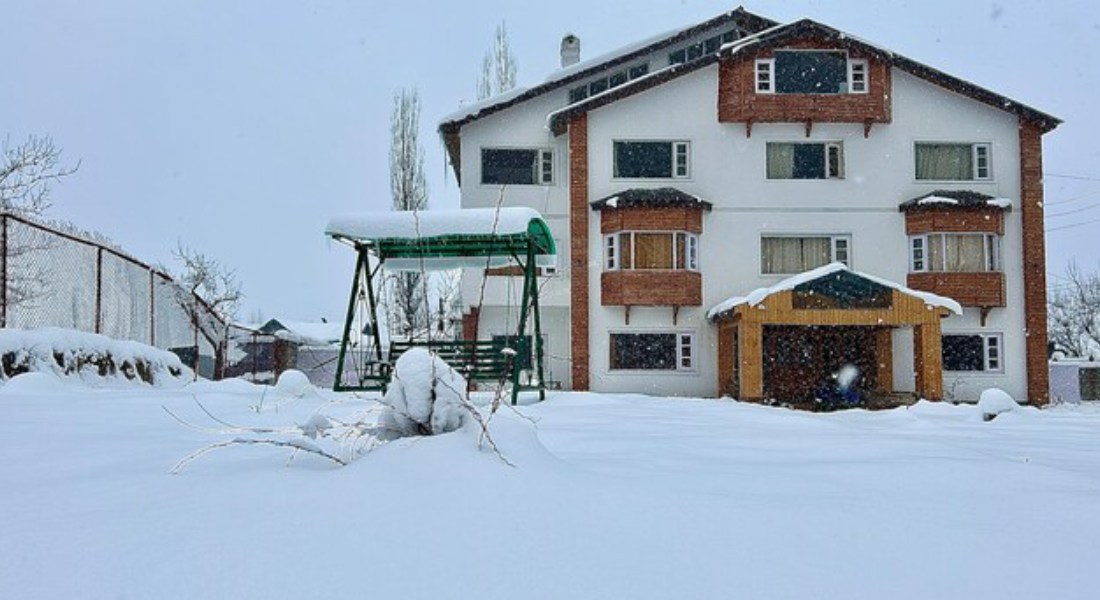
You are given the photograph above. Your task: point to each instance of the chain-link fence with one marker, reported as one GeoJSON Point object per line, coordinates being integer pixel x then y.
{"type": "Point", "coordinates": [54, 278]}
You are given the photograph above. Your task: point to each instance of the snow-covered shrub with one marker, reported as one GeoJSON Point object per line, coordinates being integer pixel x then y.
{"type": "Point", "coordinates": [88, 356]}
{"type": "Point", "coordinates": [426, 396]}
{"type": "Point", "coordinates": [995, 401]}
{"type": "Point", "coordinates": [293, 383]}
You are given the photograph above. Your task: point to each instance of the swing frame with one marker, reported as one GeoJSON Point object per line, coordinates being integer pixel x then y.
{"type": "Point", "coordinates": [478, 360]}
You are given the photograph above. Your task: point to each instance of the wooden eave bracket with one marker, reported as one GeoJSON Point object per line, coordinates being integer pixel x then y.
{"type": "Point", "coordinates": [983, 313]}
{"type": "Point", "coordinates": [867, 128]}
{"type": "Point", "coordinates": [675, 314]}
{"type": "Point", "coordinates": [748, 128]}
{"type": "Point", "coordinates": [809, 126]}
{"type": "Point", "coordinates": [627, 313]}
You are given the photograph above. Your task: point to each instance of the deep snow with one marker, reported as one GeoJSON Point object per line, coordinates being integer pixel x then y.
{"type": "Point", "coordinates": [612, 496]}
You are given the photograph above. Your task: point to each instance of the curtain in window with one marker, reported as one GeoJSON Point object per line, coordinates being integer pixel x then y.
{"type": "Point", "coordinates": [965, 253]}
{"type": "Point", "coordinates": [652, 251]}
{"type": "Point", "coordinates": [944, 162]}
{"type": "Point", "coordinates": [626, 252]}
{"type": "Point", "coordinates": [780, 161]}
{"type": "Point", "coordinates": [783, 255]}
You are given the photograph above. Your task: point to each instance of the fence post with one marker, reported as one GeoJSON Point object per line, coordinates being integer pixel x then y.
{"type": "Point", "coordinates": [99, 289]}
{"type": "Point", "coordinates": [3, 270]}
{"type": "Point", "coordinates": [152, 308]}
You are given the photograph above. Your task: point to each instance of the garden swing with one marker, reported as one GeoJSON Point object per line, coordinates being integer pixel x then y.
{"type": "Point", "coordinates": [422, 241]}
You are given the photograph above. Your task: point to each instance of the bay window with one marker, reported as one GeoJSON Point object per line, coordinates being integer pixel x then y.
{"type": "Point", "coordinates": [671, 351]}
{"type": "Point", "coordinates": [650, 250]}
{"type": "Point", "coordinates": [955, 252]}
{"type": "Point", "coordinates": [788, 254]}
{"type": "Point", "coordinates": [953, 162]}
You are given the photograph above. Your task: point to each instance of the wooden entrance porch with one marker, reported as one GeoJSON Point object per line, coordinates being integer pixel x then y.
{"type": "Point", "coordinates": [785, 342]}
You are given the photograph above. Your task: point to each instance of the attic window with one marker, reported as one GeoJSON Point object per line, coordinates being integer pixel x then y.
{"type": "Point", "coordinates": [607, 82]}
{"type": "Point", "coordinates": [811, 72]}
{"type": "Point", "coordinates": [710, 45]}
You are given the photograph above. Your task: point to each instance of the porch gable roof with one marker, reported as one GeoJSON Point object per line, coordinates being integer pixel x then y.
{"type": "Point", "coordinates": [819, 278]}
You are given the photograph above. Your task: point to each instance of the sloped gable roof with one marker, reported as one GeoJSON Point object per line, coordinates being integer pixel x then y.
{"type": "Point", "coordinates": [783, 34]}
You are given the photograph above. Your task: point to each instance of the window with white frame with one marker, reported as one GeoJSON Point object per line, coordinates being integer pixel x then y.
{"type": "Point", "coordinates": [857, 76]}
{"type": "Point", "coordinates": [955, 252]}
{"type": "Point", "coordinates": [790, 254]}
{"type": "Point", "coordinates": [656, 351]}
{"type": "Point", "coordinates": [938, 161]}
{"type": "Point", "coordinates": [805, 160]}
{"type": "Point", "coordinates": [811, 72]}
{"type": "Point", "coordinates": [973, 352]}
{"type": "Point", "coordinates": [651, 250]}
{"type": "Point", "coordinates": [637, 159]}
{"type": "Point", "coordinates": [764, 69]}
{"type": "Point", "coordinates": [517, 166]}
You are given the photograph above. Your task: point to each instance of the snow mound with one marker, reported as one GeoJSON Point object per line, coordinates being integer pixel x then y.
{"type": "Point", "coordinates": [34, 384]}
{"type": "Point", "coordinates": [89, 357]}
{"type": "Point", "coordinates": [426, 396]}
{"type": "Point", "coordinates": [995, 401]}
{"type": "Point", "coordinates": [293, 383]}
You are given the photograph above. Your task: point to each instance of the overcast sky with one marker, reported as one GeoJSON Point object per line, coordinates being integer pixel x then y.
{"type": "Point", "coordinates": [239, 128]}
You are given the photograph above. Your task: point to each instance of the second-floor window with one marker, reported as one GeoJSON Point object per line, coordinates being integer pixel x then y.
{"type": "Point", "coordinates": [955, 252]}
{"type": "Point", "coordinates": [801, 160]}
{"type": "Point", "coordinates": [517, 166]}
{"type": "Point", "coordinates": [953, 162]}
{"type": "Point", "coordinates": [652, 159]}
{"type": "Point", "coordinates": [647, 250]}
{"type": "Point", "coordinates": [811, 72]}
{"type": "Point", "coordinates": [790, 254]}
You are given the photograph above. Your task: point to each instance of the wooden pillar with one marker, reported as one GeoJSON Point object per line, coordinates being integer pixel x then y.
{"type": "Point", "coordinates": [884, 359]}
{"type": "Point", "coordinates": [751, 354]}
{"type": "Point", "coordinates": [725, 358]}
{"type": "Point", "coordinates": [929, 360]}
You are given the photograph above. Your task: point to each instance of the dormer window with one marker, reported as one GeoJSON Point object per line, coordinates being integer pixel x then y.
{"type": "Point", "coordinates": [811, 72]}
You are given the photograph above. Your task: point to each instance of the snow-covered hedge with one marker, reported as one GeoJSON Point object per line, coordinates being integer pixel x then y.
{"type": "Point", "coordinates": [87, 356]}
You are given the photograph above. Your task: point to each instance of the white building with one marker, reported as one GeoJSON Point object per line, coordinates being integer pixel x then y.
{"type": "Point", "coordinates": [702, 165]}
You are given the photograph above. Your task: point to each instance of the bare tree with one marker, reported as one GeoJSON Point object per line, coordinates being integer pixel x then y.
{"type": "Point", "coordinates": [27, 171]}
{"type": "Point", "coordinates": [498, 67]}
{"type": "Point", "coordinates": [408, 303]}
{"type": "Point", "coordinates": [1073, 314]}
{"type": "Point", "coordinates": [211, 296]}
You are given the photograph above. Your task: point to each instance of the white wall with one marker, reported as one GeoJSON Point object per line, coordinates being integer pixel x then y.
{"type": "Point", "coordinates": [728, 169]}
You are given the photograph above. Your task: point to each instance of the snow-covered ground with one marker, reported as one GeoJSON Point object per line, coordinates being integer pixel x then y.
{"type": "Point", "coordinates": [611, 496]}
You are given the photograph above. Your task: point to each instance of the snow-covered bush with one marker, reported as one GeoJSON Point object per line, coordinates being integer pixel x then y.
{"type": "Point", "coordinates": [87, 356]}
{"type": "Point", "coordinates": [293, 383]}
{"type": "Point", "coordinates": [426, 396]}
{"type": "Point", "coordinates": [995, 401]}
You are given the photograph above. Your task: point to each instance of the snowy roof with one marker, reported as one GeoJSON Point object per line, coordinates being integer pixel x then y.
{"type": "Point", "coordinates": [428, 240]}
{"type": "Point", "coordinates": [659, 197]}
{"type": "Point", "coordinates": [956, 198]}
{"type": "Point", "coordinates": [759, 294]}
{"type": "Point", "coordinates": [588, 67]}
{"type": "Point", "coordinates": [304, 332]}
